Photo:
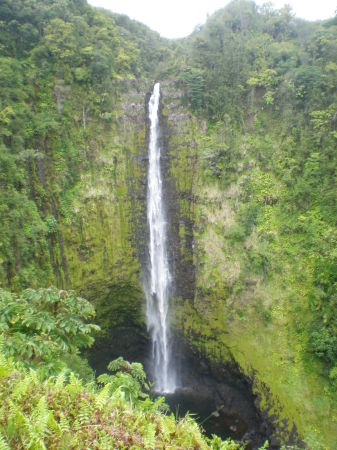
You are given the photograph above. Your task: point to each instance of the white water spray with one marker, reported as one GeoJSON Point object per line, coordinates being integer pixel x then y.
{"type": "Point", "coordinates": [158, 289]}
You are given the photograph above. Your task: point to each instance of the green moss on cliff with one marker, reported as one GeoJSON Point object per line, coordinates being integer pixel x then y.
{"type": "Point", "coordinates": [251, 182]}
{"type": "Point", "coordinates": [253, 285]}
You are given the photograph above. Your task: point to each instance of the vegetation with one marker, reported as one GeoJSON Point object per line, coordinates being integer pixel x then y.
{"type": "Point", "coordinates": [285, 164]}
{"type": "Point", "coordinates": [257, 157]}
{"type": "Point", "coordinates": [60, 67]}
{"type": "Point", "coordinates": [62, 410]}
{"type": "Point", "coordinates": [267, 208]}
{"type": "Point", "coordinates": [40, 328]}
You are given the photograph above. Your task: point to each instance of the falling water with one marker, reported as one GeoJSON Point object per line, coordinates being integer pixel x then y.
{"type": "Point", "coordinates": [158, 286]}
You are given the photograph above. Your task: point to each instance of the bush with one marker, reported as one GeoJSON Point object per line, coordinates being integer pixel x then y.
{"type": "Point", "coordinates": [62, 412]}
{"type": "Point", "coordinates": [42, 326]}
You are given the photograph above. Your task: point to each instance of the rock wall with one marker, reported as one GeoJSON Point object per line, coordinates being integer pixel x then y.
{"type": "Point", "coordinates": [106, 243]}
{"type": "Point", "coordinates": [100, 249]}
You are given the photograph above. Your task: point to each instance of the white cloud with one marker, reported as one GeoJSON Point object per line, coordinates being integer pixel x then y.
{"type": "Point", "coordinates": [178, 18]}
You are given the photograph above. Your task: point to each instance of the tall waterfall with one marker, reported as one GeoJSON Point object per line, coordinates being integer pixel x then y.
{"type": "Point", "coordinates": [158, 285]}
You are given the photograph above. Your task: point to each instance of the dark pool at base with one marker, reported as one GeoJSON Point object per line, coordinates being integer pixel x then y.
{"type": "Point", "coordinates": [219, 397]}
{"type": "Point", "coordinates": [212, 419]}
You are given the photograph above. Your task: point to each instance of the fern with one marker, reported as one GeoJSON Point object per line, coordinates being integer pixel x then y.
{"type": "Point", "coordinates": [103, 396]}
{"type": "Point", "coordinates": [16, 417]}
{"type": "Point", "coordinates": [3, 443]}
{"type": "Point", "coordinates": [105, 443]}
{"type": "Point", "coordinates": [84, 413]}
{"type": "Point", "coordinates": [5, 364]}
{"type": "Point", "coordinates": [21, 389]}
{"type": "Point", "coordinates": [64, 424]}
{"type": "Point", "coordinates": [37, 425]}
{"type": "Point", "coordinates": [60, 380]}
{"type": "Point", "coordinates": [2, 348]}
{"type": "Point", "coordinates": [77, 425]}
{"type": "Point", "coordinates": [61, 413]}
{"type": "Point", "coordinates": [75, 385]}
{"type": "Point", "coordinates": [159, 405]}
{"type": "Point", "coordinates": [167, 426]}
{"type": "Point", "coordinates": [150, 436]}
{"type": "Point", "coordinates": [53, 426]}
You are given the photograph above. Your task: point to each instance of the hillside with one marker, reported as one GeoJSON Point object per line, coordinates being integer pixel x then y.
{"type": "Point", "coordinates": [249, 139]}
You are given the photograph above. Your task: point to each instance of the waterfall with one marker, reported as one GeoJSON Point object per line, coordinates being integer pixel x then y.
{"type": "Point", "coordinates": [159, 277]}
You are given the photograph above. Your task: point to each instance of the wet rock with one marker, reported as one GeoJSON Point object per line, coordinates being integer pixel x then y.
{"type": "Point", "coordinates": [275, 442]}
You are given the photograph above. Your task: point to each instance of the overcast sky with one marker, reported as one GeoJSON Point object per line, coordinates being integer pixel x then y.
{"type": "Point", "coordinates": [178, 18]}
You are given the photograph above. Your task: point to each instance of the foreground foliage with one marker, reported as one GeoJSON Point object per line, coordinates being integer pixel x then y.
{"type": "Point", "coordinates": [42, 326]}
{"type": "Point", "coordinates": [38, 328]}
{"type": "Point", "coordinates": [61, 412]}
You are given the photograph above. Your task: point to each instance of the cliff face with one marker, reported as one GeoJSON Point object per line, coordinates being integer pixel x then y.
{"type": "Point", "coordinates": [248, 145]}
{"type": "Point", "coordinates": [232, 298]}
{"type": "Point", "coordinates": [104, 239]}
{"type": "Point", "coordinates": [221, 308]}
{"type": "Point", "coordinates": [202, 261]}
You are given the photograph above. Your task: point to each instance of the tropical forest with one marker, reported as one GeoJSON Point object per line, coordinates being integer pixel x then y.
{"type": "Point", "coordinates": [168, 230]}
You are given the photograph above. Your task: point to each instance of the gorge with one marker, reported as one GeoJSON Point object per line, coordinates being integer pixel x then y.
{"type": "Point", "coordinates": [245, 120]}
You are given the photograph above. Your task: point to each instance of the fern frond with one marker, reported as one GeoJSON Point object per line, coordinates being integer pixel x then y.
{"type": "Point", "coordinates": [77, 425]}
{"type": "Point", "coordinates": [159, 404]}
{"type": "Point", "coordinates": [37, 425]}
{"type": "Point", "coordinates": [167, 426]}
{"type": "Point", "coordinates": [150, 436]}
{"type": "Point", "coordinates": [64, 424]}
{"type": "Point", "coordinates": [34, 377]}
{"type": "Point", "coordinates": [103, 396]}
{"type": "Point", "coordinates": [53, 425]}
{"type": "Point", "coordinates": [5, 365]}
{"type": "Point", "coordinates": [85, 412]}
{"type": "Point", "coordinates": [2, 344]}
{"type": "Point", "coordinates": [3, 443]}
{"type": "Point", "coordinates": [75, 385]}
{"type": "Point", "coordinates": [60, 380]}
{"type": "Point", "coordinates": [16, 416]}
{"type": "Point", "coordinates": [21, 388]}
{"type": "Point", "coordinates": [106, 442]}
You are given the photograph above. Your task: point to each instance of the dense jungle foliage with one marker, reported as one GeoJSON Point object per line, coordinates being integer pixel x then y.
{"type": "Point", "coordinates": [51, 406]}
{"type": "Point", "coordinates": [49, 51]}
{"type": "Point", "coordinates": [267, 84]}
{"type": "Point", "coordinates": [261, 84]}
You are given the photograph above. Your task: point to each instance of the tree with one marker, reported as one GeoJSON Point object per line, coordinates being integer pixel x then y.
{"type": "Point", "coordinates": [40, 326]}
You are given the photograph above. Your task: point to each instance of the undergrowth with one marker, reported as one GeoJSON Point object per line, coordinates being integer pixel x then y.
{"type": "Point", "coordinates": [63, 412]}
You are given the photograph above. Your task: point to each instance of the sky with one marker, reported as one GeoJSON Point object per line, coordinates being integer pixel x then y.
{"type": "Point", "coordinates": [178, 18]}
